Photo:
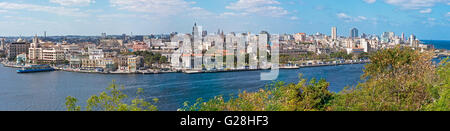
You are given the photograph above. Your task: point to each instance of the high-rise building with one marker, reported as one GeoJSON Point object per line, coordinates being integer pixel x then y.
{"type": "Point", "coordinates": [35, 51]}
{"type": "Point", "coordinates": [195, 30]}
{"type": "Point", "coordinates": [300, 37]}
{"type": "Point", "coordinates": [403, 37]}
{"type": "Point", "coordinates": [196, 40]}
{"type": "Point", "coordinates": [2, 43]}
{"type": "Point", "coordinates": [363, 35]}
{"type": "Point", "coordinates": [333, 33]}
{"type": "Point", "coordinates": [391, 35]}
{"type": "Point", "coordinates": [412, 39]}
{"type": "Point", "coordinates": [204, 33]}
{"type": "Point", "coordinates": [354, 33]}
{"type": "Point", "coordinates": [103, 35]}
{"type": "Point", "coordinates": [124, 37]}
{"type": "Point", "coordinates": [365, 44]}
{"type": "Point", "coordinates": [385, 37]}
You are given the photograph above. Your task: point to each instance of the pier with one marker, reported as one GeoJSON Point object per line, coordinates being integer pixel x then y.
{"type": "Point", "coordinates": [442, 54]}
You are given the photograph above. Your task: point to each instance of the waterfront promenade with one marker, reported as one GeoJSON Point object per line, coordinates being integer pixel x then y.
{"type": "Point", "coordinates": [315, 63]}
{"type": "Point", "coordinates": [287, 66]}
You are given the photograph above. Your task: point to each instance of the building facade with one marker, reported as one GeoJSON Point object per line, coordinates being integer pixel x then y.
{"type": "Point", "coordinates": [334, 33]}
{"type": "Point", "coordinates": [16, 48]}
{"type": "Point", "coordinates": [354, 33]}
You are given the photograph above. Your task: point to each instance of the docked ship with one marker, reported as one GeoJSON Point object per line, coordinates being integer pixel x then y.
{"type": "Point", "coordinates": [35, 68]}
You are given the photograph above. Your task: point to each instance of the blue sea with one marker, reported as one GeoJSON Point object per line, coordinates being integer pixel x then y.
{"type": "Point", "coordinates": [438, 44]}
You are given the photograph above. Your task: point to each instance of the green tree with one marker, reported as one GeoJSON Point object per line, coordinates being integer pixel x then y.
{"type": "Point", "coordinates": [363, 55]}
{"type": "Point", "coordinates": [66, 62]}
{"type": "Point", "coordinates": [441, 91]}
{"type": "Point", "coordinates": [112, 101]}
{"type": "Point", "coordinates": [397, 79]}
{"type": "Point", "coordinates": [278, 96]}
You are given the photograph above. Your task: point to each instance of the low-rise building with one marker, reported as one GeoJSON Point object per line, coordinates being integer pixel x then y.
{"type": "Point", "coordinates": [75, 61]}
{"type": "Point", "coordinates": [21, 59]}
{"type": "Point", "coordinates": [135, 63]}
{"type": "Point", "coordinates": [109, 64]}
{"type": "Point", "coordinates": [53, 55]}
{"type": "Point", "coordinates": [87, 63]}
{"type": "Point", "coordinates": [123, 63]}
{"type": "Point", "coordinates": [140, 46]}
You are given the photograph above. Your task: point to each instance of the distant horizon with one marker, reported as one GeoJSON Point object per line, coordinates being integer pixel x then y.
{"type": "Point", "coordinates": [169, 33]}
{"type": "Point", "coordinates": [425, 19]}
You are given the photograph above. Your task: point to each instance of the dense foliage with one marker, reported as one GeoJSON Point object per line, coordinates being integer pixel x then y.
{"type": "Point", "coordinates": [112, 101]}
{"type": "Point", "coordinates": [342, 55]}
{"type": "Point", "coordinates": [150, 57]}
{"type": "Point", "coordinates": [441, 91]}
{"type": "Point", "coordinates": [398, 79]}
{"type": "Point", "coordinates": [303, 96]}
{"type": "Point", "coordinates": [339, 55]}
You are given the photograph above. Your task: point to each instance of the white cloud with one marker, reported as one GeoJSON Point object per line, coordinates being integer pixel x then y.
{"type": "Point", "coordinates": [362, 17]}
{"type": "Point", "coordinates": [198, 12]}
{"type": "Point", "coordinates": [426, 11]}
{"type": "Point", "coordinates": [115, 17]}
{"type": "Point", "coordinates": [259, 7]}
{"type": "Point", "coordinates": [448, 14]}
{"type": "Point", "coordinates": [294, 18]}
{"type": "Point", "coordinates": [370, 1]}
{"type": "Point", "coordinates": [348, 18]}
{"type": "Point", "coordinates": [73, 2]}
{"type": "Point", "coordinates": [430, 22]}
{"type": "Point", "coordinates": [343, 16]}
{"type": "Point", "coordinates": [415, 4]}
{"type": "Point", "coordinates": [162, 7]}
{"type": "Point", "coordinates": [38, 8]}
{"type": "Point", "coordinates": [232, 14]}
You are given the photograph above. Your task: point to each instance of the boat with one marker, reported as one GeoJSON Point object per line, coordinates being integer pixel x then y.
{"type": "Point", "coordinates": [193, 71]}
{"type": "Point", "coordinates": [35, 68]}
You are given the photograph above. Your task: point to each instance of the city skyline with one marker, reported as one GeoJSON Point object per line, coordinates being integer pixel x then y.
{"type": "Point", "coordinates": [426, 19]}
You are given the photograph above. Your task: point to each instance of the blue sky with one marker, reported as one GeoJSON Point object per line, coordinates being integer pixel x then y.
{"type": "Point", "coordinates": [427, 19]}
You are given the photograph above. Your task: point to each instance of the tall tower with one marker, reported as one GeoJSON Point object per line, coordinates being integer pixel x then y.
{"type": "Point", "coordinates": [195, 40]}
{"type": "Point", "coordinates": [412, 39]}
{"type": "Point", "coordinates": [103, 35]}
{"type": "Point", "coordinates": [2, 43]}
{"type": "Point", "coordinates": [354, 33]}
{"type": "Point", "coordinates": [35, 39]}
{"type": "Point", "coordinates": [195, 30]}
{"type": "Point", "coordinates": [403, 37]}
{"type": "Point", "coordinates": [333, 33]}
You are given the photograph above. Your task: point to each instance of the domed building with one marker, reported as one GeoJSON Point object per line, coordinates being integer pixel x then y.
{"type": "Point", "coordinates": [20, 40]}
{"type": "Point", "coordinates": [16, 48]}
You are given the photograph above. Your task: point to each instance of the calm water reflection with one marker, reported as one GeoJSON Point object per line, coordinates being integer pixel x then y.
{"type": "Point", "coordinates": [48, 90]}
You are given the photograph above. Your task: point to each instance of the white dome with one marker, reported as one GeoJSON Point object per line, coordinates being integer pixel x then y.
{"type": "Point", "coordinates": [20, 40]}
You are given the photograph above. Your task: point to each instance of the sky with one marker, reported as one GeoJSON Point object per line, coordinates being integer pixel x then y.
{"type": "Point", "coordinates": [427, 19]}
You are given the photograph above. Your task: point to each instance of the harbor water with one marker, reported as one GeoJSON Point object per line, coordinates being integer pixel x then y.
{"type": "Point", "coordinates": [48, 90]}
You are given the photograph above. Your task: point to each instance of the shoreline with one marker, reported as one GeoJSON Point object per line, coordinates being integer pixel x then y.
{"type": "Point", "coordinates": [5, 64]}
